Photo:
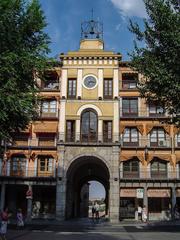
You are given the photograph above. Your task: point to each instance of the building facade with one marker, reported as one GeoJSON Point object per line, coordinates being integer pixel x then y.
{"type": "Point", "coordinates": [92, 125]}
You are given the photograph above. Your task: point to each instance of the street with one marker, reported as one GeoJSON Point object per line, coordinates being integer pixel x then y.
{"type": "Point", "coordinates": [100, 231]}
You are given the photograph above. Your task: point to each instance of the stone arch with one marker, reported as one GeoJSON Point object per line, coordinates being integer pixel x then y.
{"type": "Point", "coordinates": [90, 106]}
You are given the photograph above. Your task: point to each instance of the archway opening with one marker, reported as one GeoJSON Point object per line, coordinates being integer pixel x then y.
{"type": "Point", "coordinates": [85, 176]}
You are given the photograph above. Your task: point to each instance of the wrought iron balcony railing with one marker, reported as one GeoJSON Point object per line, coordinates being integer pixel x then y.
{"type": "Point", "coordinates": [34, 142]}
{"type": "Point", "coordinates": [138, 113]}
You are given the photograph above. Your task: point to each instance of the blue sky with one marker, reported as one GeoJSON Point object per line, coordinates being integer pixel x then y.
{"type": "Point", "coordinates": [64, 19]}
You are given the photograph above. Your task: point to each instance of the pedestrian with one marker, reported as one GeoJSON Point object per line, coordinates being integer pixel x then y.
{"type": "Point", "coordinates": [97, 210]}
{"type": "Point", "coordinates": [93, 211]}
{"type": "Point", "coordinates": [176, 212]}
{"type": "Point", "coordinates": [139, 213]}
{"type": "Point", "coordinates": [4, 222]}
{"type": "Point", "coordinates": [144, 214]}
{"type": "Point", "coordinates": [19, 217]}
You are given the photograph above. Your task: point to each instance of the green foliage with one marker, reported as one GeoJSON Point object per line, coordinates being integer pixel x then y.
{"type": "Point", "coordinates": [23, 47]}
{"type": "Point", "coordinates": [159, 59]}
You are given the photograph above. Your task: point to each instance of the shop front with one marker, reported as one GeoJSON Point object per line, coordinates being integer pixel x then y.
{"type": "Point", "coordinates": [159, 203]}
{"type": "Point", "coordinates": [130, 199]}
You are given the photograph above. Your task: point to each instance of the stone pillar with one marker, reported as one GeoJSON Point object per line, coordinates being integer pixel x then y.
{"type": "Point", "coordinates": [100, 83]}
{"type": "Point", "coordinates": [100, 130]}
{"type": "Point", "coordinates": [29, 205]}
{"type": "Point", "coordinates": [3, 189]}
{"type": "Point", "coordinates": [145, 198]}
{"type": "Point", "coordinates": [173, 200]}
{"type": "Point", "coordinates": [61, 185]}
{"type": "Point", "coordinates": [79, 82]}
{"type": "Point", "coordinates": [114, 197]}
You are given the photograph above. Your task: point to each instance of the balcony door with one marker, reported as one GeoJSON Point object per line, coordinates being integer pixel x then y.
{"type": "Point", "coordinates": [89, 126]}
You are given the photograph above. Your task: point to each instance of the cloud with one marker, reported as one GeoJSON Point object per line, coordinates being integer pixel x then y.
{"type": "Point", "coordinates": [130, 8]}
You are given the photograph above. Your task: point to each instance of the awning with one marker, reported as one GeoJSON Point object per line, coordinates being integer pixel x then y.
{"type": "Point", "coordinates": [46, 127]}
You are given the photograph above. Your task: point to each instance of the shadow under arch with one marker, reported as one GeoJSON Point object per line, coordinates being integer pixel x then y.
{"type": "Point", "coordinates": [80, 171]}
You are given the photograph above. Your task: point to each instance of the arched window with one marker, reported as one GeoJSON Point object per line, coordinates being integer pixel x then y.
{"type": "Point", "coordinates": [89, 123]}
{"type": "Point", "coordinates": [158, 168]}
{"type": "Point", "coordinates": [131, 168]}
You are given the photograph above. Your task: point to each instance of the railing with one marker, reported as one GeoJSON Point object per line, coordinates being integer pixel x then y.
{"type": "Point", "coordinates": [49, 114]}
{"type": "Point", "coordinates": [35, 142]}
{"type": "Point", "coordinates": [128, 113]}
{"type": "Point", "coordinates": [50, 86]}
{"type": "Point", "coordinates": [6, 171]}
{"type": "Point", "coordinates": [156, 175]}
{"type": "Point", "coordinates": [89, 138]}
{"type": "Point", "coordinates": [145, 141]}
{"type": "Point", "coordinates": [129, 85]}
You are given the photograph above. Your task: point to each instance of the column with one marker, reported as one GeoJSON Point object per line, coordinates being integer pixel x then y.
{"type": "Point", "coordinates": [62, 121]}
{"type": "Point", "coordinates": [79, 83]}
{"type": "Point", "coordinates": [100, 83]}
{"type": "Point", "coordinates": [173, 200]}
{"type": "Point", "coordinates": [116, 136]}
{"type": "Point", "coordinates": [100, 130]}
{"type": "Point", "coordinates": [116, 83]}
{"type": "Point", "coordinates": [3, 189]}
{"type": "Point", "coordinates": [114, 198]}
{"type": "Point", "coordinates": [64, 83]}
{"type": "Point", "coordinates": [77, 130]}
{"type": "Point", "coordinates": [29, 204]}
{"type": "Point", "coordinates": [61, 186]}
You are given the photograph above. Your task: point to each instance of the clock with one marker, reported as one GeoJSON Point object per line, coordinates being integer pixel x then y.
{"type": "Point", "coordinates": [90, 82]}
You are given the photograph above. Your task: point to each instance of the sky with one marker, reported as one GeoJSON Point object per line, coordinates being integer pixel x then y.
{"type": "Point", "coordinates": [64, 19]}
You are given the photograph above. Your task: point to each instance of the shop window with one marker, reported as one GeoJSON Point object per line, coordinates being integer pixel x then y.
{"type": "Point", "coordinates": [72, 88]}
{"type": "Point", "coordinates": [45, 165]}
{"type": "Point", "coordinates": [49, 108]}
{"type": "Point", "coordinates": [130, 137]}
{"type": "Point", "coordinates": [157, 137]}
{"type": "Point", "coordinates": [70, 131]}
{"type": "Point", "coordinates": [158, 169]}
{"type": "Point", "coordinates": [129, 81]}
{"type": "Point", "coordinates": [89, 126]}
{"type": "Point", "coordinates": [108, 88]}
{"type": "Point", "coordinates": [18, 165]}
{"type": "Point", "coordinates": [178, 140]}
{"type": "Point", "coordinates": [131, 169]}
{"type": "Point", "coordinates": [130, 106]}
{"type": "Point", "coordinates": [107, 131]}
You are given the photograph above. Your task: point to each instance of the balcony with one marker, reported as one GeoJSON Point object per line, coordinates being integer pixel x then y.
{"type": "Point", "coordinates": [95, 139]}
{"type": "Point", "coordinates": [146, 141]}
{"type": "Point", "coordinates": [126, 113]}
{"type": "Point", "coordinates": [50, 86]}
{"type": "Point", "coordinates": [29, 173]}
{"type": "Point", "coordinates": [130, 84]}
{"type": "Point", "coordinates": [46, 113]}
{"type": "Point", "coordinates": [47, 142]}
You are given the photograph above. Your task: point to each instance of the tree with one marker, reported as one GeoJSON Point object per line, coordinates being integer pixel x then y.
{"type": "Point", "coordinates": [159, 59]}
{"type": "Point", "coordinates": [24, 47]}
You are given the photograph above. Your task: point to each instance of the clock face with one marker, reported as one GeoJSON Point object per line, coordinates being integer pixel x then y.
{"type": "Point", "coordinates": [90, 81]}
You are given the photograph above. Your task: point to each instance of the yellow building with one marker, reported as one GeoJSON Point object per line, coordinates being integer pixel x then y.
{"type": "Point", "coordinates": [93, 125]}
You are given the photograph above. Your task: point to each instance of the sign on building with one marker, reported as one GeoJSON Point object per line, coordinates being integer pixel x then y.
{"type": "Point", "coordinates": [139, 192]}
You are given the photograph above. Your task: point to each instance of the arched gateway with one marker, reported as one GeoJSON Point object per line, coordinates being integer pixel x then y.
{"type": "Point", "coordinates": [80, 171]}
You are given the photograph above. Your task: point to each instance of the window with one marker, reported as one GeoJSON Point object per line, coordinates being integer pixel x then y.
{"type": "Point", "coordinates": [18, 165]}
{"type": "Point", "coordinates": [70, 131]}
{"type": "Point", "coordinates": [107, 131]}
{"type": "Point", "coordinates": [20, 139]}
{"type": "Point", "coordinates": [71, 88]}
{"type": "Point", "coordinates": [130, 137]}
{"type": "Point", "coordinates": [45, 164]}
{"type": "Point", "coordinates": [131, 168]}
{"type": "Point", "coordinates": [51, 81]}
{"type": "Point", "coordinates": [130, 107]}
{"type": "Point", "coordinates": [49, 108]}
{"type": "Point", "coordinates": [108, 88]}
{"type": "Point", "coordinates": [157, 137]}
{"type": "Point", "coordinates": [158, 169]}
{"type": "Point", "coordinates": [129, 81]}
{"type": "Point", "coordinates": [178, 140]}
{"type": "Point", "coordinates": [46, 139]}
{"type": "Point", "coordinates": [155, 110]}
{"type": "Point", "coordinates": [89, 126]}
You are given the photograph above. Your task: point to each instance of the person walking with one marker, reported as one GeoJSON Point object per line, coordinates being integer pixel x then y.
{"type": "Point", "coordinates": [19, 217]}
{"type": "Point", "coordinates": [93, 211]}
{"type": "Point", "coordinates": [144, 214]}
{"type": "Point", "coordinates": [97, 210]}
{"type": "Point", "coordinates": [4, 222]}
{"type": "Point", "coordinates": [139, 209]}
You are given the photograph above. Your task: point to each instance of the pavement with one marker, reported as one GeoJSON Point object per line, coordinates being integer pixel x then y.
{"type": "Point", "coordinates": [87, 229]}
